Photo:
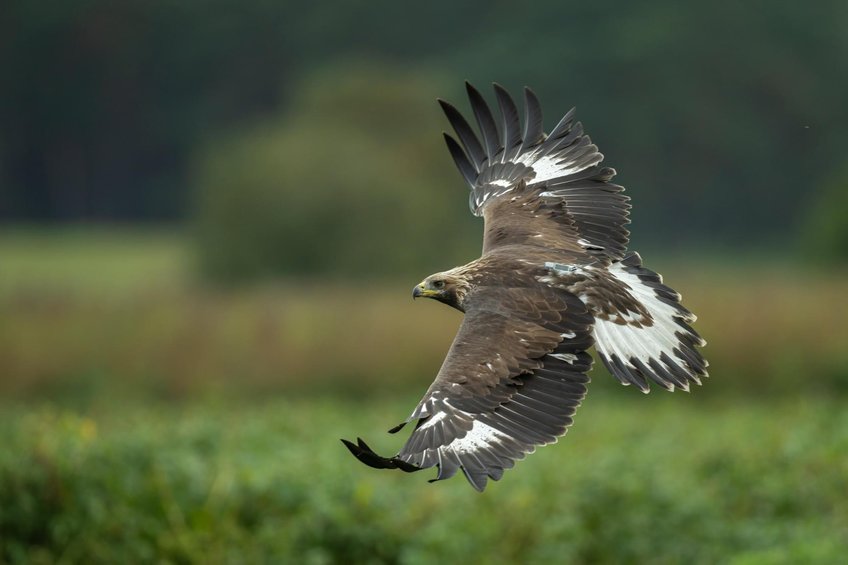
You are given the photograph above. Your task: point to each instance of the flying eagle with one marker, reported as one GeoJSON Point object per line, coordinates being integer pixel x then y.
{"type": "Point", "coordinates": [555, 278]}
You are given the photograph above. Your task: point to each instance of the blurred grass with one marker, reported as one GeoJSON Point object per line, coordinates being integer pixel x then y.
{"type": "Point", "coordinates": [656, 479]}
{"type": "Point", "coordinates": [90, 259]}
{"type": "Point", "coordinates": [80, 308]}
{"type": "Point", "coordinates": [242, 462]}
{"type": "Point", "coordinates": [85, 311]}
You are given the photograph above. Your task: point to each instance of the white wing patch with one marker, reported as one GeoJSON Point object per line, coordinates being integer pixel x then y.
{"type": "Point", "coordinates": [569, 358]}
{"type": "Point", "coordinates": [544, 168]}
{"type": "Point", "coordinates": [480, 436]}
{"type": "Point", "coordinates": [433, 420]}
{"type": "Point", "coordinates": [642, 343]}
{"type": "Point", "coordinates": [548, 167]}
{"type": "Point", "coordinates": [654, 344]}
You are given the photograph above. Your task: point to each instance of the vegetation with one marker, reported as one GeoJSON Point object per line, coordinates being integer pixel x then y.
{"type": "Point", "coordinates": [724, 118]}
{"type": "Point", "coordinates": [145, 417]}
{"type": "Point", "coordinates": [659, 479]}
{"type": "Point", "coordinates": [176, 394]}
{"type": "Point", "coordinates": [123, 312]}
{"type": "Point", "coordinates": [317, 191]}
{"type": "Point", "coordinates": [826, 233]}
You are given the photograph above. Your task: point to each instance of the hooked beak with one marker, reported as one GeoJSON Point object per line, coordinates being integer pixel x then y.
{"type": "Point", "coordinates": [417, 290]}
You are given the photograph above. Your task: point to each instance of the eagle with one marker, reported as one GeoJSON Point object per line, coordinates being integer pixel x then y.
{"type": "Point", "coordinates": [554, 279]}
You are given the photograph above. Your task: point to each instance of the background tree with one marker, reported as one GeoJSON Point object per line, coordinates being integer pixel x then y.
{"type": "Point", "coordinates": [724, 119]}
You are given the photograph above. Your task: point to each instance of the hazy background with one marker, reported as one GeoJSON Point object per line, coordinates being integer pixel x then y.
{"type": "Point", "coordinates": [212, 213]}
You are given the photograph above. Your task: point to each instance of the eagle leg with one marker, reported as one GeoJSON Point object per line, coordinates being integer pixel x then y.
{"type": "Point", "coordinates": [365, 454]}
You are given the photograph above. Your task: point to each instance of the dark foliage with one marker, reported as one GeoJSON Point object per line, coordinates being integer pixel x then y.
{"type": "Point", "coordinates": [723, 118]}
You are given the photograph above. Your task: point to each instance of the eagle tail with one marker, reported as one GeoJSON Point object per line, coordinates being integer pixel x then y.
{"type": "Point", "coordinates": [659, 347]}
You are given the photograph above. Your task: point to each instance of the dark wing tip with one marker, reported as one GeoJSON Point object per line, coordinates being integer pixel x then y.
{"type": "Point", "coordinates": [397, 428]}
{"type": "Point", "coordinates": [466, 168]}
{"type": "Point", "coordinates": [466, 135]}
{"type": "Point", "coordinates": [511, 122]}
{"type": "Point", "coordinates": [533, 129]}
{"type": "Point", "coordinates": [366, 455]}
{"type": "Point", "coordinates": [485, 121]}
{"type": "Point", "coordinates": [500, 91]}
{"type": "Point", "coordinates": [531, 98]}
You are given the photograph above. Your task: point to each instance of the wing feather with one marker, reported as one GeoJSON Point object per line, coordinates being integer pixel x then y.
{"type": "Point", "coordinates": [510, 382]}
{"type": "Point", "coordinates": [511, 124]}
{"type": "Point", "coordinates": [641, 330]}
{"type": "Point", "coordinates": [466, 135]}
{"type": "Point", "coordinates": [533, 129]}
{"type": "Point", "coordinates": [564, 167]}
{"type": "Point", "coordinates": [564, 127]}
{"type": "Point", "coordinates": [485, 121]}
{"type": "Point", "coordinates": [465, 166]}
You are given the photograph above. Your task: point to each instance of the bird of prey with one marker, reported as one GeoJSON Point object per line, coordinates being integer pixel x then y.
{"type": "Point", "coordinates": [554, 278]}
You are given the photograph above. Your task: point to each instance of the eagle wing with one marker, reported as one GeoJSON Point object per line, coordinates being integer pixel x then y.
{"type": "Point", "coordinates": [549, 192]}
{"type": "Point", "coordinates": [563, 167]}
{"type": "Point", "coordinates": [512, 380]}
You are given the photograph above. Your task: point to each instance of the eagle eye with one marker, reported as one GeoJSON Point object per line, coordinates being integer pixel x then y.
{"type": "Point", "coordinates": [439, 284]}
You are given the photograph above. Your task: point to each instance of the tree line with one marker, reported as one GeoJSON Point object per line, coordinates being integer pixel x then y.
{"type": "Point", "coordinates": [725, 120]}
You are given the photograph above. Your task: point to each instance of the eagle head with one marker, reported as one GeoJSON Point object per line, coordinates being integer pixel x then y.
{"type": "Point", "coordinates": [449, 288]}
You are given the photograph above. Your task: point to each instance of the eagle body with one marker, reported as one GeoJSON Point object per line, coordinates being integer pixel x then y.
{"type": "Point", "coordinates": [554, 279]}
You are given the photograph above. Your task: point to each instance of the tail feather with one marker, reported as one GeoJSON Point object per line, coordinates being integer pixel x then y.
{"type": "Point", "coordinates": [661, 348]}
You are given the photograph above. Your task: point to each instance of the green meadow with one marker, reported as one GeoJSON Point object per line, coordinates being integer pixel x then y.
{"type": "Point", "coordinates": [148, 417]}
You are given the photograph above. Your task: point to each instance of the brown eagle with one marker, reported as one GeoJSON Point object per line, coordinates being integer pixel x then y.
{"type": "Point", "coordinates": [554, 279]}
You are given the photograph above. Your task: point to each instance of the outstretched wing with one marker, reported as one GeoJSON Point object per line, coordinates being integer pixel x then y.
{"type": "Point", "coordinates": [642, 330]}
{"type": "Point", "coordinates": [512, 380]}
{"type": "Point", "coordinates": [564, 166]}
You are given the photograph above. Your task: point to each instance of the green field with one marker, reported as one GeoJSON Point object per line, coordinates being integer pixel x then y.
{"type": "Point", "coordinates": [146, 417]}
{"type": "Point", "coordinates": [660, 479]}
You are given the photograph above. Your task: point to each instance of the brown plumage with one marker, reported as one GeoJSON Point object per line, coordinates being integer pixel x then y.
{"type": "Point", "coordinates": [554, 279]}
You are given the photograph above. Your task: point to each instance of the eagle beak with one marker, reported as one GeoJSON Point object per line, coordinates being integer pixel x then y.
{"type": "Point", "coordinates": [417, 290]}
